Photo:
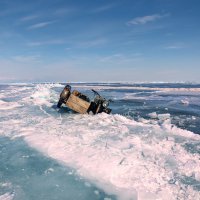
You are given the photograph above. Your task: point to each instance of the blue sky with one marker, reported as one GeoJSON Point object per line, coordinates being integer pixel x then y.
{"type": "Point", "coordinates": [99, 40]}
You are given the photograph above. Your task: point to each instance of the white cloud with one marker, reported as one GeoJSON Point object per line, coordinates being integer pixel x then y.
{"type": "Point", "coordinates": [92, 43]}
{"type": "Point", "coordinates": [64, 11]}
{"type": "Point", "coordinates": [146, 19]}
{"type": "Point", "coordinates": [26, 59]}
{"type": "Point", "coordinates": [34, 44]}
{"type": "Point", "coordinates": [7, 34]}
{"type": "Point", "coordinates": [121, 59]}
{"type": "Point", "coordinates": [29, 18]}
{"type": "Point", "coordinates": [40, 25]}
{"type": "Point", "coordinates": [112, 57]}
{"type": "Point", "coordinates": [174, 47]}
{"type": "Point", "coordinates": [49, 42]}
{"type": "Point", "coordinates": [103, 8]}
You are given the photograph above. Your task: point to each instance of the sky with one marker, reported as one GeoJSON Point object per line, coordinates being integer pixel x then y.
{"type": "Point", "coordinates": [99, 40]}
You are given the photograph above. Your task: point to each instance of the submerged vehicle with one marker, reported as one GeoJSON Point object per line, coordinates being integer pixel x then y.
{"type": "Point", "coordinates": [80, 103]}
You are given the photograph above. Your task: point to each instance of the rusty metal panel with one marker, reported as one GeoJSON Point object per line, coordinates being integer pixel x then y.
{"type": "Point", "coordinates": [77, 104]}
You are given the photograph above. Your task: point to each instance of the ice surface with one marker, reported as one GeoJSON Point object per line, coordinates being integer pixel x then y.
{"type": "Point", "coordinates": [27, 174]}
{"type": "Point", "coordinates": [7, 196]}
{"type": "Point", "coordinates": [170, 89]}
{"type": "Point", "coordinates": [153, 115]}
{"type": "Point", "coordinates": [8, 105]}
{"type": "Point", "coordinates": [184, 101]}
{"type": "Point", "coordinates": [125, 154]}
{"type": "Point", "coordinates": [134, 160]}
{"type": "Point", "coordinates": [42, 95]}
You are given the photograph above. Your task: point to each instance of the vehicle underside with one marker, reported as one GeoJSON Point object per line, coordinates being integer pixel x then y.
{"type": "Point", "coordinates": [80, 103]}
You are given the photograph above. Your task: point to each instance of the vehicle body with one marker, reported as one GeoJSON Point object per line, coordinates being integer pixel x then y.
{"type": "Point", "coordinates": [80, 103]}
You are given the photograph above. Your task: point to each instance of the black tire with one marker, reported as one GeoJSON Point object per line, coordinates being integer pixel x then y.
{"type": "Point", "coordinates": [59, 104]}
{"type": "Point", "coordinates": [65, 94]}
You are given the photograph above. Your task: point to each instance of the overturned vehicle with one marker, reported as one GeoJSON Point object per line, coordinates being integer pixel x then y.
{"type": "Point", "coordinates": [80, 103]}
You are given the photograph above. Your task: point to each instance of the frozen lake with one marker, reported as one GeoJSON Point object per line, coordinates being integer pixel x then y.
{"type": "Point", "coordinates": [148, 148]}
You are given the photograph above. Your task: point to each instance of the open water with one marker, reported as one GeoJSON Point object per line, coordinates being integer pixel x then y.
{"type": "Point", "coordinates": [148, 148]}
